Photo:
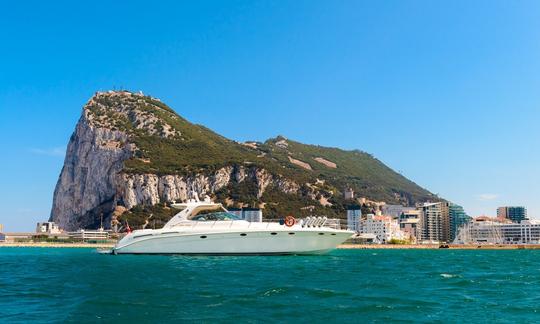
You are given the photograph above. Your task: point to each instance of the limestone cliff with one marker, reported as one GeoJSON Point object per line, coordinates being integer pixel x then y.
{"type": "Point", "coordinates": [87, 184]}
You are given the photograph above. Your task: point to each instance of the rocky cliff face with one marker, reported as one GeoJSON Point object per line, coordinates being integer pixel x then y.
{"type": "Point", "coordinates": [87, 184]}
{"type": "Point", "coordinates": [130, 150]}
{"type": "Point", "coordinates": [92, 183]}
{"type": "Point", "coordinates": [151, 189]}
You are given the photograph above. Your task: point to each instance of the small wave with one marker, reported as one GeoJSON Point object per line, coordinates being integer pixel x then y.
{"type": "Point", "coordinates": [274, 291]}
{"type": "Point", "coordinates": [448, 275]}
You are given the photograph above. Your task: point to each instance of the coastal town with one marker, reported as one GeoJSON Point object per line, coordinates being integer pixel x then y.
{"type": "Point", "coordinates": [374, 223]}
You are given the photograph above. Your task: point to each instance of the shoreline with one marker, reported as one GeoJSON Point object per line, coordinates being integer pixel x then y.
{"type": "Point", "coordinates": [58, 245]}
{"type": "Point", "coordinates": [436, 246]}
{"type": "Point", "coordinates": [339, 247]}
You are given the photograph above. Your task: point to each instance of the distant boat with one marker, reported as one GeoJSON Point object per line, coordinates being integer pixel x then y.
{"type": "Point", "coordinates": [204, 227]}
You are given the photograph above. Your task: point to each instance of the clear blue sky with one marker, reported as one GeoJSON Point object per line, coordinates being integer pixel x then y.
{"type": "Point", "coordinates": [447, 93]}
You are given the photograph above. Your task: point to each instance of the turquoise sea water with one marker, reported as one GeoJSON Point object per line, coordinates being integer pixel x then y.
{"type": "Point", "coordinates": [79, 285]}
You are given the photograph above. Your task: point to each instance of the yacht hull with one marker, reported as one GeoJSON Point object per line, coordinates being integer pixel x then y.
{"type": "Point", "coordinates": [236, 243]}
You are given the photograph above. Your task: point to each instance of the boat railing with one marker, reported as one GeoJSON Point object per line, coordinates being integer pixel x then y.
{"type": "Point", "coordinates": [334, 223]}
{"type": "Point", "coordinates": [311, 221]}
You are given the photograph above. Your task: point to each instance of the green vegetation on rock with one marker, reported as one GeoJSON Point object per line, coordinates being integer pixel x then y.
{"type": "Point", "coordinates": [167, 144]}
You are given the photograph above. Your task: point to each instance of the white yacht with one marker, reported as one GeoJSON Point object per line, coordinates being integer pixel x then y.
{"type": "Point", "coordinates": [204, 227]}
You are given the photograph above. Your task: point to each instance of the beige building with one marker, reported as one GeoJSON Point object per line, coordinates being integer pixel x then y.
{"type": "Point", "coordinates": [410, 222]}
{"type": "Point", "coordinates": [435, 222]}
{"type": "Point", "coordinates": [349, 193]}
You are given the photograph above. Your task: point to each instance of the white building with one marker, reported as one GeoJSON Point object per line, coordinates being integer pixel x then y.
{"type": "Point", "coordinates": [89, 235]}
{"type": "Point", "coordinates": [382, 228]}
{"type": "Point", "coordinates": [354, 213]}
{"type": "Point", "coordinates": [48, 228]}
{"type": "Point", "coordinates": [495, 231]}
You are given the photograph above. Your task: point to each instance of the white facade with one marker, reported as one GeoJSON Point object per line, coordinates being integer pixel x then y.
{"type": "Point", "coordinates": [495, 232]}
{"type": "Point", "coordinates": [384, 228]}
{"type": "Point", "coordinates": [353, 219]}
{"type": "Point", "coordinates": [48, 228]}
{"type": "Point", "coordinates": [85, 235]}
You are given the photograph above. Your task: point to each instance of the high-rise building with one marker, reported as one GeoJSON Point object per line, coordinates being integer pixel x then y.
{"type": "Point", "coordinates": [354, 213]}
{"type": "Point", "coordinates": [435, 222]}
{"type": "Point", "coordinates": [458, 218]}
{"type": "Point", "coordinates": [514, 213]}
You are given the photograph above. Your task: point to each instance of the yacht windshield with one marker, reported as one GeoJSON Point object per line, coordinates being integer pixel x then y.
{"type": "Point", "coordinates": [217, 216]}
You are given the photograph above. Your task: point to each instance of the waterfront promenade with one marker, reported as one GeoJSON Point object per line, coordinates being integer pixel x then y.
{"type": "Point", "coordinates": [342, 246]}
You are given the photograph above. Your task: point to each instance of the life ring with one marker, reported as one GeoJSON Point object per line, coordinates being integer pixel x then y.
{"type": "Point", "coordinates": [290, 221]}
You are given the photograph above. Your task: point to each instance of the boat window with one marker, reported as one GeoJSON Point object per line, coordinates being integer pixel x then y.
{"type": "Point", "coordinates": [243, 234]}
{"type": "Point", "coordinates": [216, 216]}
{"type": "Point", "coordinates": [273, 233]}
